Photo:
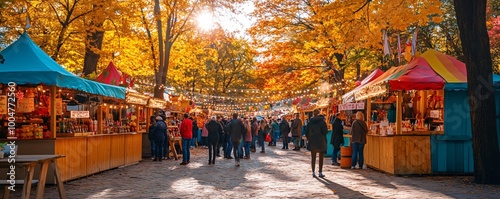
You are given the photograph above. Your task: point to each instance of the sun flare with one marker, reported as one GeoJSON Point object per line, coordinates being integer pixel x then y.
{"type": "Point", "coordinates": [205, 21]}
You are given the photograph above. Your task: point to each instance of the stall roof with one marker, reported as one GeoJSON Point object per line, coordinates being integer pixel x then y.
{"type": "Point", "coordinates": [26, 63]}
{"type": "Point", "coordinates": [349, 97]}
{"type": "Point", "coordinates": [430, 71]}
{"type": "Point", "coordinates": [110, 75]}
{"type": "Point", "coordinates": [367, 90]}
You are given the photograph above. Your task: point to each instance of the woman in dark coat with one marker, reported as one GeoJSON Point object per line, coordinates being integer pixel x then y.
{"type": "Point", "coordinates": [316, 131]}
{"type": "Point", "coordinates": [214, 129]}
{"type": "Point", "coordinates": [337, 138]}
{"type": "Point", "coordinates": [159, 135]}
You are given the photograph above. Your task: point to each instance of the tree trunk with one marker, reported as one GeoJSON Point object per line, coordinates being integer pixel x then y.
{"type": "Point", "coordinates": [471, 18]}
{"type": "Point", "coordinates": [158, 91]}
{"type": "Point", "coordinates": [94, 40]}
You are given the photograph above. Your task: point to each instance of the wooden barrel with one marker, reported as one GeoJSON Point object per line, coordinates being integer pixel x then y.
{"type": "Point", "coordinates": [345, 151]}
{"type": "Point", "coordinates": [345, 157]}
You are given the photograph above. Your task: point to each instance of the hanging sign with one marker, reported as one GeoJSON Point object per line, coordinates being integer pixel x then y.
{"type": "Point", "coordinates": [80, 114]}
{"type": "Point", "coordinates": [156, 103]}
{"type": "Point", "coordinates": [3, 104]}
{"type": "Point", "coordinates": [26, 105]}
{"type": "Point", "coordinates": [133, 98]}
{"type": "Point", "coordinates": [352, 106]}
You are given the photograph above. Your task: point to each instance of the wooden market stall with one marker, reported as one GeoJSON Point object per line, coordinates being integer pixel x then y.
{"type": "Point", "coordinates": [405, 108]}
{"type": "Point", "coordinates": [46, 98]}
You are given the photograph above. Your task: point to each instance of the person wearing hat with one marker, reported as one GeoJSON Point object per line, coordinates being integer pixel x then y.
{"type": "Point", "coordinates": [159, 134]}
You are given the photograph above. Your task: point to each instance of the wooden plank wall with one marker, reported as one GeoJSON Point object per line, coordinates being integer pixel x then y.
{"type": "Point", "coordinates": [74, 164]}
{"type": "Point", "coordinates": [400, 155]}
{"type": "Point", "coordinates": [117, 151]}
{"type": "Point", "coordinates": [386, 147]}
{"type": "Point", "coordinates": [93, 154]}
{"type": "Point", "coordinates": [133, 148]}
{"type": "Point", "coordinates": [372, 151]}
{"type": "Point", "coordinates": [412, 155]}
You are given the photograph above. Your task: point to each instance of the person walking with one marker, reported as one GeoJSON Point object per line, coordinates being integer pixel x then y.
{"type": "Point", "coordinates": [316, 131]}
{"type": "Point", "coordinates": [151, 132]}
{"type": "Point", "coordinates": [296, 132]}
{"type": "Point", "coordinates": [359, 129]}
{"type": "Point", "coordinates": [285, 129]}
{"type": "Point", "coordinates": [236, 130]}
{"type": "Point", "coordinates": [214, 128]}
{"type": "Point", "coordinates": [264, 129]}
{"type": "Point", "coordinates": [186, 131]}
{"type": "Point", "coordinates": [221, 137]}
{"type": "Point", "coordinates": [160, 129]}
{"type": "Point", "coordinates": [247, 142]}
{"type": "Point", "coordinates": [195, 132]}
{"type": "Point", "coordinates": [255, 134]}
{"type": "Point", "coordinates": [204, 133]}
{"type": "Point", "coordinates": [276, 132]}
{"type": "Point", "coordinates": [337, 138]}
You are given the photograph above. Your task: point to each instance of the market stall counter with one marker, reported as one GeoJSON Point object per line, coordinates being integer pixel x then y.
{"type": "Point", "coordinates": [401, 154]}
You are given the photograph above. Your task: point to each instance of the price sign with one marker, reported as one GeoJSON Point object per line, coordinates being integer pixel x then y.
{"type": "Point", "coordinates": [360, 106]}
{"type": "Point", "coordinates": [80, 114]}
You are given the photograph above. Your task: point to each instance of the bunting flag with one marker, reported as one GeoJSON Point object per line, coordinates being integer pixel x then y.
{"type": "Point", "coordinates": [28, 22]}
{"type": "Point", "coordinates": [386, 44]}
{"type": "Point", "coordinates": [408, 50]}
{"type": "Point", "coordinates": [399, 49]}
{"type": "Point", "coordinates": [414, 42]}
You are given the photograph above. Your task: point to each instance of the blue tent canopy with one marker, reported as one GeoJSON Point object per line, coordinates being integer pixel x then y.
{"type": "Point", "coordinates": [26, 63]}
{"type": "Point", "coordinates": [463, 86]}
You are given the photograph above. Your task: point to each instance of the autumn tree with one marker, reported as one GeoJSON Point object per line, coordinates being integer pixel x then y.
{"type": "Point", "coordinates": [212, 63]}
{"type": "Point", "coordinates": [318, 36]}
{"type": "Point", "coordinates": [173, 21]}
{"type": "Point", "coordinates": [471, 18]}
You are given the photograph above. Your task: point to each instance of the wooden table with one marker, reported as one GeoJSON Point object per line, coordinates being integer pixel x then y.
{"type": "Point", "coordinates": [173, 150]}
{"type": "Point", "coordinates": [30, 162]}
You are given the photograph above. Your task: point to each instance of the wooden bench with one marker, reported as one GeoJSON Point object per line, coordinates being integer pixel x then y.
{"type": "Point", "coordinates": [6, 184]}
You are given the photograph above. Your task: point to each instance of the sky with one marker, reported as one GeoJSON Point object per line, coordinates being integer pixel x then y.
{"type": "Point", "coordinates": [237, 23]}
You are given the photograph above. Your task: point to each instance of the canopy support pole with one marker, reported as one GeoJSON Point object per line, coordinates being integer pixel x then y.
{"type": "Point", "coordinates": [368, 111]}
{"type": "Point", "coordinates": [99, 120]}
{"type": "Point", "coordinates": [399, 111]}
{"type": "Point", "coordinates": [53, 113]}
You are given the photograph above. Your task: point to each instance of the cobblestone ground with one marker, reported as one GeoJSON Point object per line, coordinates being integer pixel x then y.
{"type": "Point", "coordinates": [275, 174]}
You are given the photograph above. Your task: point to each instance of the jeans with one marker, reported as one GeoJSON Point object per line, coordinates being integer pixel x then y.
{"type": "Point", "coordinates": [285, 141]}
{"type": "Point", "coordinates": [262, 137]}
{"type": "Point", "coordinates": [240, 148]}
{"type": "Point", "coordinates": [211, 151]}
{"type": "Point", "coordinates": [159, 149]}
{"type": "Point", "coordinates": [335, 154]}
{"type": "Point", "coordinates": [357, 154]}
{"type": "Point", "coordinates": [276, 136]}
{"type": "Point", "coordinates": [254, 139]}
{"type": "Point", "coordinates": [247, 145]}
{"type": "Point", "coordinates": [228, 148]}
{"type": "Point", "coordinates": [186, 145]}
{"type": "Point", "coordinates": [153, 148]}
{"type": "Point", "coordinates": [296, 142]}
{"type": "Point", "coordinates": [236, 146]}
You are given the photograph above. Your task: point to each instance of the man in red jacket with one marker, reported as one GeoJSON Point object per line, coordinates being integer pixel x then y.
{"type": "Point", "coordinates": [186, 131]}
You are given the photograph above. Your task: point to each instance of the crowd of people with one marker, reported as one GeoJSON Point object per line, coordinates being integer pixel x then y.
{"type": "Point", "coordinates": [240, 136]}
